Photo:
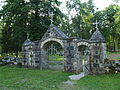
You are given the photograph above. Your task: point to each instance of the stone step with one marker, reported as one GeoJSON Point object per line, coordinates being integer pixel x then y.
{"type": "Point", "coordinates": [77, 77]}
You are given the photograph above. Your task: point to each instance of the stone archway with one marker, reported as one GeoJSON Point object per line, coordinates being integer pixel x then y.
{"type": "Point", "coordinates": [52, 39]}
{"type": "Point", "coordinates": [84, 50]}
{"type": "Point", "coordinates": [84, 43]}
{"type": "Point", "coordinates": [52, 55]}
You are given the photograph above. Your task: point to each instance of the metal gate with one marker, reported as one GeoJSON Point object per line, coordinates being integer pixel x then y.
{"type": "Point", "coordinates": [55, 55]}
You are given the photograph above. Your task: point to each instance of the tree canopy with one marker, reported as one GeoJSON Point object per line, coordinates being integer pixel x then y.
{"type": "Point", "coordinates": [26, 16]}
{"type": "Point", "coordinates": [19, 17]}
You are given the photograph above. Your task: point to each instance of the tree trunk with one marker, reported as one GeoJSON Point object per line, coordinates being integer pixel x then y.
{"type": "Point", "coordinates": [116, 45]}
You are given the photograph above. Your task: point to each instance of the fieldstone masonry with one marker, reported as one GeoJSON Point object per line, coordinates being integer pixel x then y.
{"type": "Point", "coordinates": [34, 54]}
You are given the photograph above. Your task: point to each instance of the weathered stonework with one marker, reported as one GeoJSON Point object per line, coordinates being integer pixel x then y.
{"type": "Point", "coordinates": [34, 54]}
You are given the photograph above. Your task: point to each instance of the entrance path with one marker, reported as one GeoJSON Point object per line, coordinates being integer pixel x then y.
{"type": "Point", "coordinates": [72, 83]}
{"type": "Point", "coordinates": [68, 85]}
{"type": "Point", "coordinates": [113, 56]}
{"type": "Point", "coordinates": [77, 77]}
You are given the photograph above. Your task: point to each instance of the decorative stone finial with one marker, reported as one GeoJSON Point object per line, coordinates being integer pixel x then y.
{"type": "Point", "coordinates": [28, 35]}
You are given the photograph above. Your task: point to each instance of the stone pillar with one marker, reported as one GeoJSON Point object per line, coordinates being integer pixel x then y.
{"type": "Point", "coordinates": [98, 57]}
{"type": "Point", "coordinates": [68, 65]}
{"type": "Point", "coordinates": [72, 57]}
{"type": "Point", "coordinates": [44, 59]}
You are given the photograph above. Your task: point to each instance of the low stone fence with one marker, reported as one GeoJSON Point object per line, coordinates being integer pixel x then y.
{"type": "Point", "coordinates": [9, 61]}
{"type": "Point", "coordinates": [112, 66]}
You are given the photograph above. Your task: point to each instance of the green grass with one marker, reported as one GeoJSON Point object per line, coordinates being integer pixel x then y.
{"type": "Point", "coordinates": [113, 55]}
{"type": "Point", "coordinates": [56, 58]}
{"type": "Point", "coordinates": [12, 78]}
{"type": "Point", "coordinates": [113, 52]}
{"type": "Point", "coordinates": [100, 82]}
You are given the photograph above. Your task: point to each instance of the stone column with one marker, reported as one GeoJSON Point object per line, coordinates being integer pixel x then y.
{"type": "Point", "coordinates": [98, 56]}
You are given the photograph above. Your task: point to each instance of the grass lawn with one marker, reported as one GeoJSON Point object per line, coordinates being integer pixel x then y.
{"type": "Point", "coordinates": [113, 55]}
{"type": "Point", "coordinates": [100, 82]}
{"type": "Point", "coordinates": [13, 78]}
{"type": "Point", "coordinates": [56, 58]}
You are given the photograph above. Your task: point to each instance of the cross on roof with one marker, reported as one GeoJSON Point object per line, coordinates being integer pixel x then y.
{"type": "Point", "coordinates": [51, 16]}
{"type": "Point", "coordinates": [96, 24]}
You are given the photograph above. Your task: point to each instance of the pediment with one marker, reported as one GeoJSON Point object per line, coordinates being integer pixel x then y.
{"type": "Point", "coordinates": [55, 32]}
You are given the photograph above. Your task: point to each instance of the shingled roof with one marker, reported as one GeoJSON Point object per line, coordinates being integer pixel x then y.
{"type": "Point", "coordinates": [28, 42]}
{"type": "Point", "coordinates": [57, 30]}
{"type": "Point", "coordinates": [97, 37]}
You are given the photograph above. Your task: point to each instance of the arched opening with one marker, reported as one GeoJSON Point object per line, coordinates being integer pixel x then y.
{"type": "Point", "coordinates": [54, 55]}
{"type": "Point", "coordinates": [85, 58]}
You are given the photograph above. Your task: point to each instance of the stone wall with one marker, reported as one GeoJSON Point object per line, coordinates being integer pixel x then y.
{"type": "Point", "coordinates": [34, 54]}
{"type": "Point", "coordinates": [112, 66]}
{"type": "Point", "coordinates": [36, 57]}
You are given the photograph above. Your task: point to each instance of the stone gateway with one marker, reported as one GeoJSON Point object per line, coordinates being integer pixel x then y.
{"type": "Point", "coordinates": [57, 51]}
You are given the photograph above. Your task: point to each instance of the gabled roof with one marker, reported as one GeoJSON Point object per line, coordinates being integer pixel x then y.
{"type": "Point", "coordinates": [28, 42]}
{"type": "Point", "coordinates": [97, 37]}
{"type": "Point", "coordinates": [60, 32]}
{"type": "Point", "coordinates": [56, 31]}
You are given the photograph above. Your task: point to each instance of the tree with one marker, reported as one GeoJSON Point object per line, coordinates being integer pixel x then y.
{"type": "Point", "coordinates": [81, 22]}
{"type": "Point", "coordinates": [108, 26]}
{"type": "Point", "coordinates": [22, 16]}
{"type": "Point", "coordinates": [117, 27]}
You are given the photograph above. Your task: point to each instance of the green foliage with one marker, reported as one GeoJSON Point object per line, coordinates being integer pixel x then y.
{"type": "Point", "coordinates": [81, 22]}
{"type": "Point", "coordinates": [109, 26]}
{"type": "Point", "coordinates": [20, 17]}
{"type": "Point", "coordinates": [81, 25]}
